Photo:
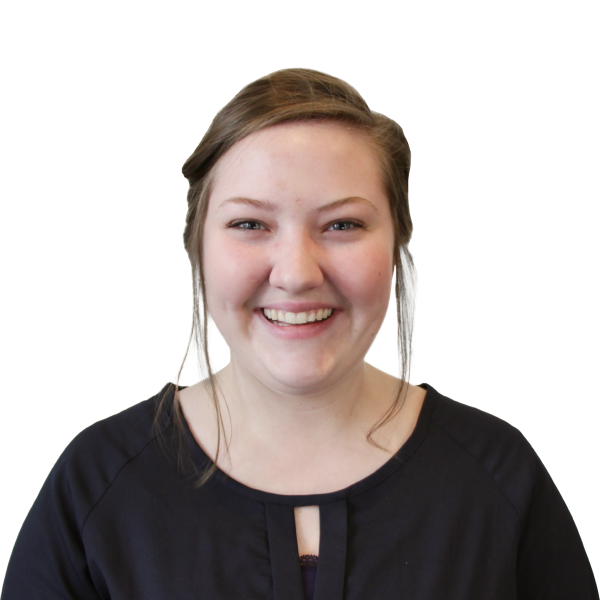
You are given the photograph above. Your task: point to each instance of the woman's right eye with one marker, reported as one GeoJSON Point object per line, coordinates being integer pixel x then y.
{"type": "Point", "coordinates": [251, 225]}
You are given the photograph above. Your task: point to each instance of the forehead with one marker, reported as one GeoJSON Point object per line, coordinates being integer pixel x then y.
{"type": "Point", "coordinates": [317, 161]}
{"type": "Point", "coordinates": [328, 135]}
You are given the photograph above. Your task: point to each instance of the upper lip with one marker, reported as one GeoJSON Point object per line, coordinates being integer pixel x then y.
{"type": "Point", "coordinates": [298, 307]}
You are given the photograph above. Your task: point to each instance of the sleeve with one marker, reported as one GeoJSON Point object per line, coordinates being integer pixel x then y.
{"type": "Point", "coordinates": [552, 563]}
{"type": "Point", "coordinates": [49, 559]}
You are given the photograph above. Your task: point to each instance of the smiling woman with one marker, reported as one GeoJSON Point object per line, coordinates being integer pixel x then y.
{"type": "Point", "coordinates": [298, 193]}
{"type": "Point", "coordinates": [324, 242]}
{"type": "Point", "coordinates": [298, 470]}
{"type": "Point", "coordinates": [298, 206]}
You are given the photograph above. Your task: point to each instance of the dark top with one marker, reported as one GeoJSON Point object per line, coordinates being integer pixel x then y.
{"type": "Point", "coordinates": [464, 511]}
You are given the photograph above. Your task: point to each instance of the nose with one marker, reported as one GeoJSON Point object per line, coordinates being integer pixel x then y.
{"type": "Point", "coordinates": [296, 265]}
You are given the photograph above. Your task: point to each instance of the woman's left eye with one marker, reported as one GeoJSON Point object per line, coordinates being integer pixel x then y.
{"type": "Point", "coordinates": [355, 224]}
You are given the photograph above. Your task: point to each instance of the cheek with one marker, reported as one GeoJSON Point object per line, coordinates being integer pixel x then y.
{"type": "Point", "coordinates": [375, 291]}
{"type": "Point", "coordinates": [234, 272]}
{"type": "Point", "coordinates": [370, 272]}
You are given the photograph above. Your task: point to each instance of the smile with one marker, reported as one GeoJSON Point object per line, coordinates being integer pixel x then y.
{"type": "Point", "coordinates": [306, 330]}
{"type": "Point", "coordinates": [281, 317]}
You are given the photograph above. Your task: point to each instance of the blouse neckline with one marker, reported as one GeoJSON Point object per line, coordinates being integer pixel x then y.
{"type": "Point", "coordinates": [383, 472]}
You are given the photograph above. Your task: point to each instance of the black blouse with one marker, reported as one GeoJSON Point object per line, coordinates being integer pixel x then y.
{"type": "Point", "coordinates": [464, 511]}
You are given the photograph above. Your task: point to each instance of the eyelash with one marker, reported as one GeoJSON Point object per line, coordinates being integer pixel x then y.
{"type": "Point", "coordinates": [248, 225]}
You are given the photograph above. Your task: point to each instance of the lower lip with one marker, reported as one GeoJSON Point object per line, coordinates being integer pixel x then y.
{"type": "Point", "coordinates": [298, 332]}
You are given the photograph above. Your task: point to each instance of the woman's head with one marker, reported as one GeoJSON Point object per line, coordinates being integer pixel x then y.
{"type": "Point", "coordinates": [298, 224]}
{"type": "Point", "coordinates": [317, 106]}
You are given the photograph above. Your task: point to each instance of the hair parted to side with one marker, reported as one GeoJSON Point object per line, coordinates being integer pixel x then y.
{"type": "Point", "coordinates": [284, 96]}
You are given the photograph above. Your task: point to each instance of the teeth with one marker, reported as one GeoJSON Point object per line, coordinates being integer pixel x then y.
{"type": "Point", "coordinates": [291, 318]}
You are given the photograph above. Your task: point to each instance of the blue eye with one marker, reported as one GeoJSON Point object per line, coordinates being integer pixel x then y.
{"type": "Point", "coordinates": [236, 225]}
{"type": "Point", "coordinates": [355, 224]}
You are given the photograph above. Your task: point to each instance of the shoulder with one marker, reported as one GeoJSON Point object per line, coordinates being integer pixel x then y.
{"type": "Point", "coordinates": [95, 457]}
{"type": "Point", "coordinates": [496, 447]}
{"type": "Point", "coordinates": [469, 426]}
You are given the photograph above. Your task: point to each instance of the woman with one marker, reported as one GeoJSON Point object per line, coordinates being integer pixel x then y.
{"type": "Point", "coordinates": [281, 197]}
{"type": "Point", "coordinates": [299, 470]}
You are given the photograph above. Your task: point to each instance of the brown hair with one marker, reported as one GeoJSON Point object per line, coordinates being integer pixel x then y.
{"type": "Point", "coordinates": [284, 96]}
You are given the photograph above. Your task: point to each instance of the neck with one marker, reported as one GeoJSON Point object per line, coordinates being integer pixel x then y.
{"type": "Point", "coordinates": [290, 421]}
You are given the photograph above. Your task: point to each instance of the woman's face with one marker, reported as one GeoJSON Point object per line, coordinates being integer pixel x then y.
{"type": "Point", "coordinates": [298, 225]}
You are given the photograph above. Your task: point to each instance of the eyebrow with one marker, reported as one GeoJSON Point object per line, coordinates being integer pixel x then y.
{"type": "Point", "coordinates": [269, 206]}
